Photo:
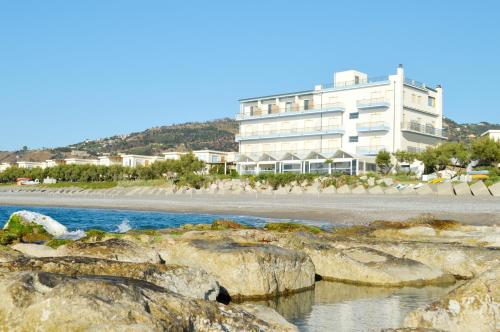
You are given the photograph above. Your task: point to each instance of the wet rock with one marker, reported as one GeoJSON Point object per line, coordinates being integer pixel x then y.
{"type": "Point", "coordinates": [114, 249]}
{"type": "Point", "coordinates": [473, 306]}
{"type": "Point", "coordinates": [363, 265]}
{"type": "Point", "coordinates": [245, 270]}
{"type": "Point", "coordinates": [52, 302]}
{"type": "Point", "coordinates": [190, 282]}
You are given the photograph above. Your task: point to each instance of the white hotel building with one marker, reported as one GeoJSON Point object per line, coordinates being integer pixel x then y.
{"type": "Point", "coordinates": [347, 122]}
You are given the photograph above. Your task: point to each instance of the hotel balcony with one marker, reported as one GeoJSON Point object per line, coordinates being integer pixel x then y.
{"type": "Point", "coordinates": [415, 127]}
{"type": "Point", "coordinates": [295, 132]}
{"type": "Point", "coordinates": [370, 150]}
{"type": "Point", "coordinates": [292, 110]}
{"type": "Point", "coordinates": [372, 126]}
{"type": "Point", "coordinates": [372, 103]}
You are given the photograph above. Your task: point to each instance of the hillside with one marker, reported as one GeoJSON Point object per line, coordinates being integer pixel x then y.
{"type": "Point", "coordinates": [466, 131]}
{"type": "Point", "coordinates": [216, 135]}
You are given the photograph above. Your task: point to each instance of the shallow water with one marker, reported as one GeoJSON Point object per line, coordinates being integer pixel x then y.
{"type": "Point", "coordinates": [339, 307]}
{"type": "Point", "coordinates": [122, 220]}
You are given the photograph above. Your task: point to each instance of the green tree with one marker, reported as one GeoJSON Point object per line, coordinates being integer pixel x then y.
{"type": "Point", "coordinates": [383, 161]}
{"type": "Point", "coordinates": [486, 151]}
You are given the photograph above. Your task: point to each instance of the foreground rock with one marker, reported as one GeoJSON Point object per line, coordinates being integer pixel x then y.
{"type": "Point", "coordinates": [7, 254]}
{"type": "Point", "coordinates": [190, 282]}
{"type": "Point", "coordinates": [474, 306]}
{"type": "Point", "coordinates": [245, 270]}
{"type": "Point", "coordinates": [114, 249]}
{"type": "Point", "coordinates": [39, 301]}
{"type": "Point", "coordinates": [362, 265]}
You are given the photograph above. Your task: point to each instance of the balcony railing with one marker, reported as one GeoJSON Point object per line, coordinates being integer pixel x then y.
{"type": "Point", "coordinates": [414, 83]}
{"type": "Point", "coordinates": [316, 130]}
{"type": "Point", "coordinates": [372, 126]}
{"type": "Point", "coordinates": [360, 81]}
{"type": "Point", "coordinates": [370, 150]}
{"type": "Point", "coordinates": [292, 109]}
{"type": "Point", "coordinates": [423, 129]}
{"type": "Point", "coordinates": [281, 155]}
{"type": "Point", "coordinates": [372, 103]}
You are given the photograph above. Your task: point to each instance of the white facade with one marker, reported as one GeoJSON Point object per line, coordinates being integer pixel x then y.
{"type": "Point", "coordinates": [31, 164]}
{"type": "Point", "coordinates": [493, 134]}
{"type": "Point", "coordinates": [52, 163]}
{"type": "Point", "coordinates": [110, 160]}
{"type": "Point", "coordinates": [132, 160]}
{"type": "Point", "coordinates": [4, 166]}
{"type": "Point", "coordinates": [78, 161]}
{"type": "Point", "coordinates": [355, 117]}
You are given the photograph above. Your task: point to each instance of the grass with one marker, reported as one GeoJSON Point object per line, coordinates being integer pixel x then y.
{"type": "Point", "coordinates": [292, 227]}
{"type": "Point", "coordinates": [143, 183]}
{"type": "Point", "coordinates": [222, 224]}
{"type": "Point", "coordinates": [94, 235]}
{"type": "Point", "coordinates": [56, 243]}
{"type": "Point", "coordinates": [18, 230]}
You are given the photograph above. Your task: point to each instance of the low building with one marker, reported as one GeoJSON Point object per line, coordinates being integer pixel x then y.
{"type": "Point", "coordinates": [209, 157]}
{"type": "Point", "coordinates": [4, 166]}
{"type": "Point", "coordinates": [54, 162]}
{"type": "Point", "coordinates": [31, 164]}
{"type": "Point", "coordinates": [78, 161]}
{"type": "Point", "coordinates": [134, 160]}
{"type": "Point", "coordinates": [110, 160]}
{"type": "Point", "coordinates": [173, 155]}
{"type": "Point", "coordinates": [493, 134]}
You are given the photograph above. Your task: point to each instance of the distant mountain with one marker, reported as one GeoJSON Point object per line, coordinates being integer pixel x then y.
{"type": "Point", "coordinates": [216, 135]}
{"type": "Point", "coordinates": [464, 132]}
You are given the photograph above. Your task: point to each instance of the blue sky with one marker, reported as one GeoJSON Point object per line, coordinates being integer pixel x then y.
{"type": "Point", "coordinates": [71, 70]}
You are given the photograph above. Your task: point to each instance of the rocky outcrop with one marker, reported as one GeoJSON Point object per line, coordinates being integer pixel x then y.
{"type": "Point", "coordinates": [190, 282]}
{"type": "Point", "coordinates": [7, 254]}
{"type": "Point", "coordinates": [268, 315]}
{"type": "Point", "coordinates": [114, 249]}
{"type": "Point", "coordinates": [473, 306]}
{"type": "Point", "coordinates": [362, 265]}
{"type": "Point", "coordinates": [52, 302]}
{"type": "Point", "coordinates": [245, 270]}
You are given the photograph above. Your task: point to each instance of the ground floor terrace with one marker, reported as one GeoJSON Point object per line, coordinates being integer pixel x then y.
{"type": "Point", "coordinates": [305, 162]}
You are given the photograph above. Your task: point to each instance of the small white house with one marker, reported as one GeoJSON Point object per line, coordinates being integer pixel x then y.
{"type": "Point", "coordinates": [53, 162]}
{"type": "Point", "coordinates": [133, 160]}
{"type": "Point", "coordinates": [31, 164]}
{"type": "Point", "coordinates": [110, 160]}
{"type": "Point", "coordinates": [4, 166]}
{"type": "Point", "coordinates": [493, 134]}
{"type": "Point", "coordinates": [78, 161]}
{"type": "Point", "coordinates": [173, 155]}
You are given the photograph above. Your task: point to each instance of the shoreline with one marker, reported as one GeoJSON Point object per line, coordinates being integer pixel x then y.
{"type": "Point", "coordinates": [333, 209]}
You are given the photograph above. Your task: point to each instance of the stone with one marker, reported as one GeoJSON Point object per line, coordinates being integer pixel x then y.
{"type": "Point", "coordinates": [391, 191]}
{"type": "Point", "coordinates": [312, 190]}
{"type": "Point", "coordinates": [473, 306]}
{"type": "Point", "coordinates": [345, 189]}
{"type": "Point", "coordinates": [425, 190]}
{"type": "Point", "coordinates": [245, 270]}
{"type": "Point", "coordinates": [190, 282]}
{"type": "Point", "coordinates": [268, 315]}
{"type": "Point", "coordinates": [495, 189]}
{"type": "Point", "coordinates": [297, 190]}
{"type": "Point", "coordinates": [371, 182]}
{"type": "Point", "coordinates": [408, 191]}
{"type": "Point", "coordinates": [376, 190]}
{"type": "Point", "coordinates": [359, 190]}
{"type": "Point", "coordinates": [329, 190]}
{"type": "Point", "coordinates": [362, 265]}
{"type": "Point", "coordinates": [462, 189]}
{"type": "Point", "coordinates": [479, 189]}
{"type": "Point", "coordinates": [7, 254]}
{"type": "Point", "coordinates": [35, 250]}
{"type": "Point", "coordinates": [283, 190]}
{"type": "Point", "coordinates": [387, 181]}
{"type": "Point", "coordinates": [114, 249]}
{"type": "Point", "coordinates": [50, 302]}
{"type": "Point", "coordinates": [445, 189]}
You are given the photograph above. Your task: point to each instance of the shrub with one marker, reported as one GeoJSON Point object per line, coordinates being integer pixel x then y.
{"type": "Point", "coordinates": [292, 227]}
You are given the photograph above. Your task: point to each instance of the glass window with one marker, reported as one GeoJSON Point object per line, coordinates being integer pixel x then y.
{"type": "Point", "coordinates": [353, 139]}
{"type": "Point", "coordinates": [353, 115]}
{"type": "Point", "coordinates": [431, 101]}
{"type": "Point", "coordinates": [288, 106]}
{"type": "Point", "coordinates": [306, 104]}
{"type": "Point", "coordinates": [356, 79]}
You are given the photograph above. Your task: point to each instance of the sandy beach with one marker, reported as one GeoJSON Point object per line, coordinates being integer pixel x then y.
{"type": "Point", "coordinates": [335, 209]}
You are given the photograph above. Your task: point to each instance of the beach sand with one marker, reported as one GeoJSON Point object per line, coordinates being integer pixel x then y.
{"type": "Point", "coordinates": [335, 209]}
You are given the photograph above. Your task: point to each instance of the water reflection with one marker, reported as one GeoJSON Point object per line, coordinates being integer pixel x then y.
{"type": "Point", "coordinates": [334, 306]}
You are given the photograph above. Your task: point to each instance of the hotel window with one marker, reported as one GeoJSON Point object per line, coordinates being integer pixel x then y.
{"type": "Point", "coordinates": [269, 108]}
{"type": "Point", "coordinates": [431, 101]}
{"type": "Point", "coordinates": [356, 79]}
{"type": "Point", "coordinates": [353, 115]}
{"type": "Point", "coordinates": [288, 106]}
{"type": "Point", "coordinates": [306, 104]}
{"type": "Point", "coordinates": [353, 139]}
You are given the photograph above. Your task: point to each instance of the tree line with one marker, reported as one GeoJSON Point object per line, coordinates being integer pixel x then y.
{"type": "Point", "coordinates": [187, 166]}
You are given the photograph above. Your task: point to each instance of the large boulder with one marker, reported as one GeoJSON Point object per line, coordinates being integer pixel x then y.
{"type": "Point", "coordinates": [190, 282]}
{"type": "Point", "coordinates": [445, 189]}
{"type": "Point", "coordinates": [462, 189]}
{"type": "Point", "coordinates": [495, 189]}
{"type": "Point", "coordinates": [363, 265]}
{"type": "Point", "coordinates": [40, 301]}
{"type": "Point", "coordinates": [114, 249]}
{"type": "Point", "coordinates": [245, 270]}
{"type": "Point", "coordinates": [480, 189]}
{"type": "Point", "coordinates": [473, 306]}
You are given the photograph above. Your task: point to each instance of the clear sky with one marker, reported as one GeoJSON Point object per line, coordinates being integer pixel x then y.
{"type": "Point", "coordinates": [71, 70]}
